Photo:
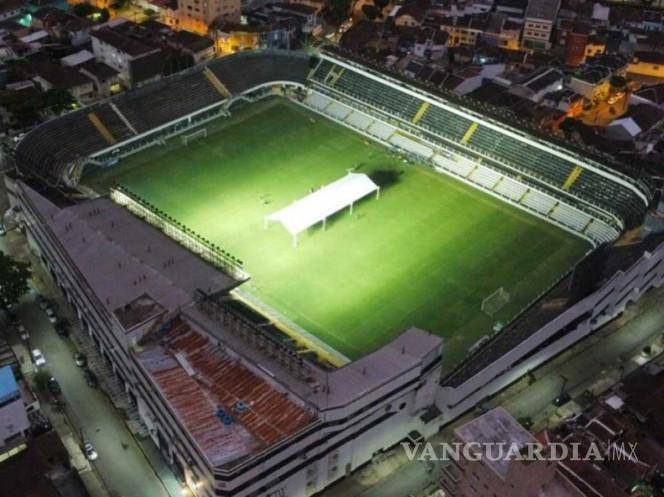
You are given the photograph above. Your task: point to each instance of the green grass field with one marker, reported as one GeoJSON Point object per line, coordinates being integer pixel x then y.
{"type": "Point", "coordinates": [425, 254]}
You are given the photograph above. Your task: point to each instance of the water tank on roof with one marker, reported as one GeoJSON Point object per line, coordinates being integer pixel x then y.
{"type": "Point", "coordinates": [224, 417]}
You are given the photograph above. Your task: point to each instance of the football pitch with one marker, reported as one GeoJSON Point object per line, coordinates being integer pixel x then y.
{"type": "Point", "coordinates": [425, 254]}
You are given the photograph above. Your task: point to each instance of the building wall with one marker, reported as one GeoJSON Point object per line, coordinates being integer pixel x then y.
{"type": "Point", "coordinates": [585, 317]}
{"type": "Point", "coordinates": [117, 59]}
{"type": "Point", "coordinates": [14, 424]}
{"type": "Point", "coordinates": [348, 437]}
{"type": "Point", "coordinates": [646, 69]}
{"type": "Point", "coordinates": [236, 41]}
{"type": "Point", "coordinates": [197, 15]}
{"type": "Point", "coordinates": [537, 34]}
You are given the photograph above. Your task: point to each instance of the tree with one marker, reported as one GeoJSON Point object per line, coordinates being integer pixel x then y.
{"type": "Point", "coordinates": [58, 100]}
{"type": "Point", "coordinates": [371, 11]}
{"type": "Point", "coordinates": [339, 9]}
{"type": "Point", "coordinates": [13, 280]}
{"type": "Point", "coordinates": [83, 9]}
{"type": "Point", "coordinates": [41, 378]}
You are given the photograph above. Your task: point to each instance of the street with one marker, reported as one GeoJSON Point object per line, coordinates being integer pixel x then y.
{"type": "Point", "coordinates": [122, 466]}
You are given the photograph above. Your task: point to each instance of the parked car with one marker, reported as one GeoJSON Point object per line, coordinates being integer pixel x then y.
{"type": "Point", "coordinates": [22, 332]}
{"type": "Point", "coordinates": [38, 357]}
{"type": "Point", "coordinates": [90, 378]}
{"type": "Point", "coordinates": [43, 302]}
{"type": "Point", "coordinates": [52, 316]}
{"type": "Point", "coordinates": [12, 316]}
{"type": "Point", "coordinates": [62, 327]}
{"type": "Point", "coordinates": [89, 451]}
{"type": "Point", "coordinates": [80, 360]}
{"type": "Point", "coordinates": [53, 386]}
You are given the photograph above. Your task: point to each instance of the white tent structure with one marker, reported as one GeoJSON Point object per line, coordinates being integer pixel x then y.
{"type": "Point", "coordinates": [322, 203]}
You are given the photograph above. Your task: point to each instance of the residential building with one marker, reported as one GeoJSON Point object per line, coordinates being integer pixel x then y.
{"type": "Point", "coordinates": [649, 64]}
{"type": "Point", "coordinates": [482, 471]}
{"type": "Point", "coordinates": [197, 15]}
{"type": "Point", "coordinates": [625, 426]}
{"type": "Point", "coordinates": [537, 84]}
{"type": "Point", "coordinates": [540, 19]}
{"type": "Point", "coordinates": [515, 9]}
{"type": "Point", "coordinates": [232, 37]}
{"type": "Point", "coordinates": [199, 47]}
{"type": "Point", "coordinates": [118, 48]}
{"type": "Point", "coordinates": [106, 80]}
{"type": "Point", "coordinates": [410, 15]}
{"type": "Point", "coordinates": [14, 423]}
{"type": "Point", "coordinates": [50, 75]}
{"type": "Point", "coordinates": [593, 79]}
{"type": "Point", "coordinates": [11, 8]}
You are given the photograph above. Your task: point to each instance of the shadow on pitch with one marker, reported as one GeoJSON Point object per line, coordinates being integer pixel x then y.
{"type": "Point", "coordinates": [385, 178]}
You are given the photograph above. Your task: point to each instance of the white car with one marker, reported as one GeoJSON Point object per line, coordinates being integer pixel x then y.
{"type": "Point", "coordinates": [22, 332]}
{"type": "Point", "coordinates": [90, 451]}
{"type": "Point", "coordinates": [52, 317]}
{"type": "Point", "coordinates": [38, 357]}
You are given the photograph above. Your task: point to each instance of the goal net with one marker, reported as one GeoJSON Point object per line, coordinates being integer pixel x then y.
{"type": "Point", "coordinates": [187, 139]}
{"type": "Point", "coordinates": [495, 302]}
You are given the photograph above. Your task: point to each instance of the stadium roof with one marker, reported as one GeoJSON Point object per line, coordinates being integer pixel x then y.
{"type": "Point", "coordinates": [230, 410]}
{"type": "Point", "coordinates": [122, 258]}
{"type": "Point", "coordinates": [324, 202]}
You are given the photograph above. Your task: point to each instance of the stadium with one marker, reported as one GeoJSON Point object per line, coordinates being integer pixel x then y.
{"type": "Point", "coordinates": [371, 254]}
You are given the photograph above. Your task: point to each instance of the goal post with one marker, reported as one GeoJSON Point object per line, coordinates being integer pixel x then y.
{"type": "Point", "coordinates": [495, 302]}
{"type": "Point", "coordinates": [190, 137]}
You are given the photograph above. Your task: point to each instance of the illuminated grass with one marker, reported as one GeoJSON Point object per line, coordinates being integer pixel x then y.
{"type": "Point", "coordinates": [425, 254]}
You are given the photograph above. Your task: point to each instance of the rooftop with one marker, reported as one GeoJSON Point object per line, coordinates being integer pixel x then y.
{"type": "Point", "coordinates": [495, 427]}
{"type": "Point", "coordinates": [543, 9]}
{"type": "Point", "coordinates": [8, 386]}
{"type": "Point", "coordinates": [123, 258]}
{"type": "Point", "coordinates": [122, 42]}
{"type": "Point", "coordinates": [229, 409]}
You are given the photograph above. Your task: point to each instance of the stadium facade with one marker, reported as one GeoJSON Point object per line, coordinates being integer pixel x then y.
{"type": "Point", "coordinates": [231, 404]}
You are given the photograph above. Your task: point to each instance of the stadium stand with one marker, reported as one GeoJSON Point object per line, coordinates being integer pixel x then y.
{"type": "Point", "coordinates": [590, 275]}
{"type": "Point", "coordinates": [48, 151]}
{"type": "Point", "coordinates": [594, 189]}
{"type": "Point", "coordinates": [546, 203]}
{"type": "Point", "coordinates": [420, 123]}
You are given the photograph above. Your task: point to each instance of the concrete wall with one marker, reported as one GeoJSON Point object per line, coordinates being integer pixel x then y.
{"type": "Point", "coordinates": [596, 310]}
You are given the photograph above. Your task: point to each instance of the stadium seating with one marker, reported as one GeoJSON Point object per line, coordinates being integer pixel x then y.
{"type": "Point", "coordinates": [539, 203]}
{"type": "Point", "coordinates": [359, 120]}
{"type": "Point", "coordinates": [511, 189]}
{"type": "Point", "coordinates": [249, 69]}
{"type": "Point", "coordinates": [380, 130]}
{"type": "Point", "coordinates": [49, 149]}
{"type": "Point", "coordinates": [590, 190]}
{"type": "Point", "coordinates": [338, 111]}
{"type": "Point", "coordinates": [485, 177]}
{"type": "Point", "coordinates": [411, 146]}
{"type": "Point", "coordinates": [427, 130]}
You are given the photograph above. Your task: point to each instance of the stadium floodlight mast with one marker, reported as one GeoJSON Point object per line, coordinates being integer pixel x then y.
{"type": "Point", "coordinates": [322, 203]}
